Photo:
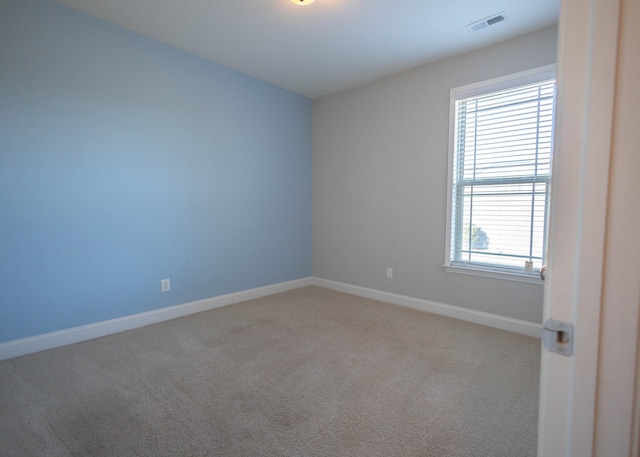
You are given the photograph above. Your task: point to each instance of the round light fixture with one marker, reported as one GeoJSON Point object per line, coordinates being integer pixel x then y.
{"type": "Point", "coordinates": [303, 2]}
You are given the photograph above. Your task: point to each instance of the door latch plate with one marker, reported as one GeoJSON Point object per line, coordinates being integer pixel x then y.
{"type": "Point", "coordinates": [557, 336]}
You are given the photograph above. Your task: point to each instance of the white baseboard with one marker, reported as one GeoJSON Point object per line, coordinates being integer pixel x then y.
{"type": "Point", "coordinates": [52, 340]}
{"type": "Point", "coordinates": [477, 317]}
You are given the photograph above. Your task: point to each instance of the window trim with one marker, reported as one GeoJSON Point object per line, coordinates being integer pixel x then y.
{"type": "Point", "coordinates": [513, 80]}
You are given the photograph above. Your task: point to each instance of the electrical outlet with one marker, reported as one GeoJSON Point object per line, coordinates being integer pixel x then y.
{"type": "Point", "coordinates": [165, 285]}
{"type": "Point", "coordinates": [390, 273]}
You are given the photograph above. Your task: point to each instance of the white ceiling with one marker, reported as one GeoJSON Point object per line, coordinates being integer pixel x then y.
{"type": "Point", "coordinates": [327, 46]}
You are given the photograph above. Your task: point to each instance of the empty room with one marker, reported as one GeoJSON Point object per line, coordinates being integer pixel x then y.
{"type": "Point", "coordinates": [319, 228]}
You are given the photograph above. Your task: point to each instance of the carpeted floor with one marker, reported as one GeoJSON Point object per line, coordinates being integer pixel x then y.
{"type": "Point", "coordinates": [309, 372]}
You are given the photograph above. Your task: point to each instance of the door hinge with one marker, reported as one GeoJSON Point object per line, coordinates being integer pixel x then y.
{"type": "Point", "coordinates": [557, 337]}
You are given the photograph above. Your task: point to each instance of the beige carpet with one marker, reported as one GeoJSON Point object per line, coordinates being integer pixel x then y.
{"type": "Point", "coordinates": [310, 372]}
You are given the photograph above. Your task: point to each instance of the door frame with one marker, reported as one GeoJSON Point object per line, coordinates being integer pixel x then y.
{"type": "Point", "coordinates": [584, 270]}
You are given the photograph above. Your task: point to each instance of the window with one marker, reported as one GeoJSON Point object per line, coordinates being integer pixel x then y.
{"type": "Point", "coordinates": [499, 173]}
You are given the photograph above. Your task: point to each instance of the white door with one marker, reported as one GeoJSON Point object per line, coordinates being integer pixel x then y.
{"type": "Point", "coordinates": [589, 403]}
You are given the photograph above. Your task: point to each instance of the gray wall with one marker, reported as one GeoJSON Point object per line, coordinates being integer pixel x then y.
{"type": "Point", "coordinates": [380, 181]}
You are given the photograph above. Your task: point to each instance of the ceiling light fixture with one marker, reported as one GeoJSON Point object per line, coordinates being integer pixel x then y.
{"type": "Point", "coordinates": [303, 2]}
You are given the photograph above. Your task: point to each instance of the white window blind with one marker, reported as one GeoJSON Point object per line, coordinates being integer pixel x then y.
{"type": "Point", "coordinates": [501, 168]}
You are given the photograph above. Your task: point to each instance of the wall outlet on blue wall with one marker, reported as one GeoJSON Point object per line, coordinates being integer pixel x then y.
{"type": "Point", "coordinates": [165, 285]}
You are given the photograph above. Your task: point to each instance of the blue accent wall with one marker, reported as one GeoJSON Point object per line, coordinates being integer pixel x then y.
{"type": "Point", "coordinates": [124, 161]}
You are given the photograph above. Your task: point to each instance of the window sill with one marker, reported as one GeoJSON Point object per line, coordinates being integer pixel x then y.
{"type": "Point", "coordinates": [531, 279]}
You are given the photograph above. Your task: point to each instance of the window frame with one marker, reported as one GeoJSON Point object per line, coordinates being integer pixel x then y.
{"type": "Point", "coordinates": [532, 76]}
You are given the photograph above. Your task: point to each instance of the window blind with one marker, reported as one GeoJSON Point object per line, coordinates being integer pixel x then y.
{"type": "Point", "coordinates": [501, 172]}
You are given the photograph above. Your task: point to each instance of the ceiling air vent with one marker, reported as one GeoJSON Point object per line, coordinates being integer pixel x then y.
{"type": "Point", "coordinates": [486, 22]}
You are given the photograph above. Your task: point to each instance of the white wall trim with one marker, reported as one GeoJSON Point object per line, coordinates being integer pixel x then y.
{"type": "Point", "coordinates": [52, 340]}
{"type": "Point", "coordinates": [477, 317]}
